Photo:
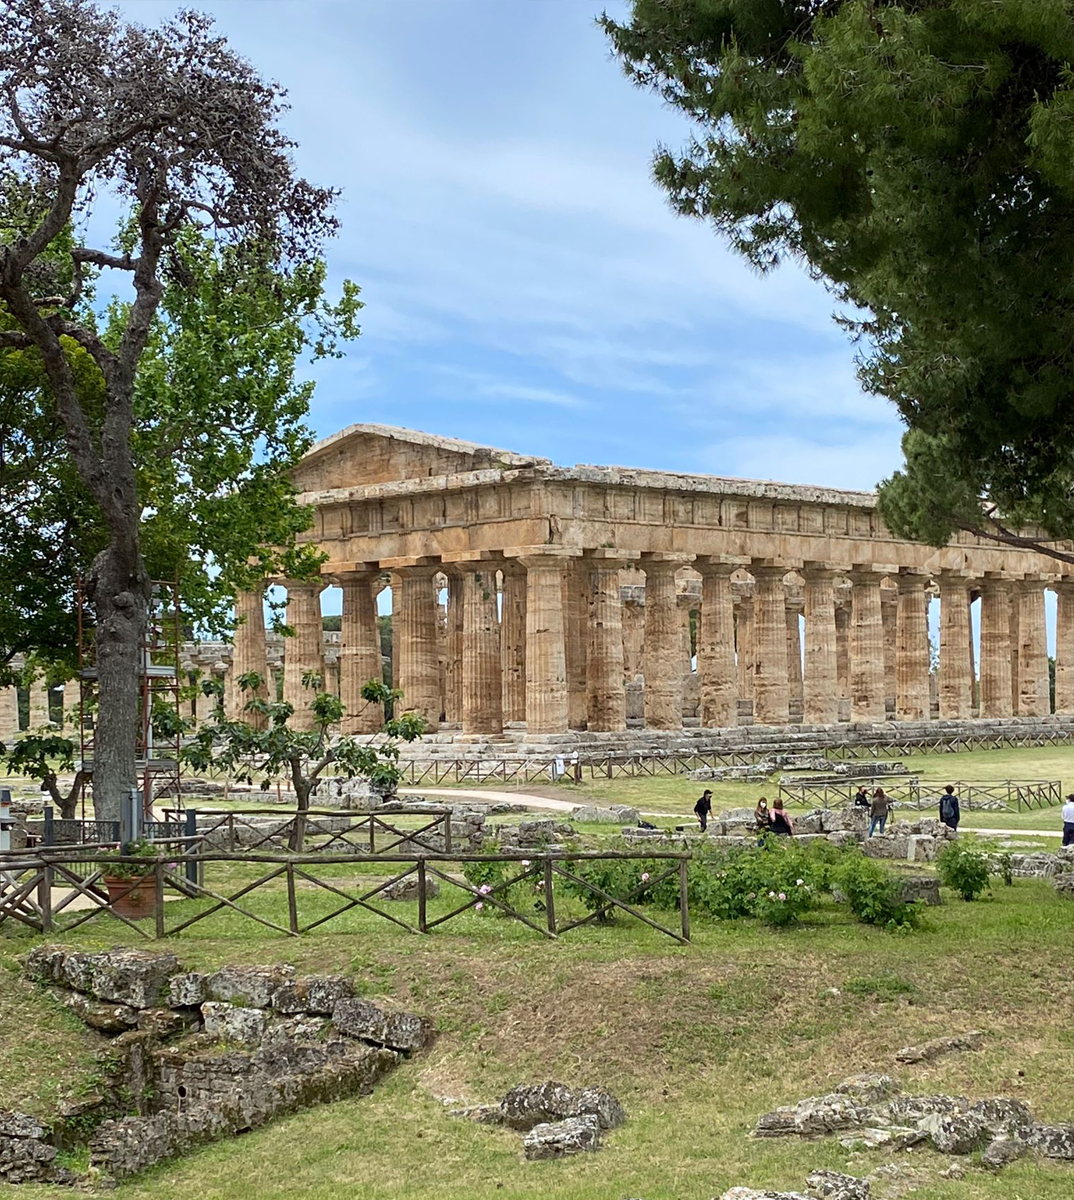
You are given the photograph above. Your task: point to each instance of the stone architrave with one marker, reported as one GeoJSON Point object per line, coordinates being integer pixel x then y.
{"type": "Point", "coordinates": [744, 646]}
{"type": "Point", "coordinates": [576, 609]}
{"type": "Point", "coordinates": [304, 653]}
{"type": "Point", "coordinates": [794, 652]}
{"type": "Point", "coordinates": [513, 643]}
{"type": "Point", "coordinates": [248, 656]}
{"type": "Point", "coordinates": [546, 666]}
{"type": "Point", "coordinates": [663, 645]}
{"type": "Point", "coordinates": [716, 647]}
{"type": "Point", "coordinates": [770, 698]}
{"type": "Point", "coordinates": [911, 649]}
{"type": "Point", "coordinates": [956, 687]}
{"type": "Point", "coordinates": [604, 657]}
{"type": "Point", "coordinates": [1033, 683]}
{"type": "Point", "coordinates": [866, 648]}
{"type": "Point", "coordinates": [996, 690]}
{"type": "Point", "coordinates": [1064, 646]}
{"type": "Point", "coordinates": [482, 693]}
{"type": "Point", "coordinates": [359, 652]}
{"type": "Point", "coordinates": [9, 712]}
{"type": "Point", "coordinates": [416, 649]}
{"type": "Point", "coordinates": [820, 683]}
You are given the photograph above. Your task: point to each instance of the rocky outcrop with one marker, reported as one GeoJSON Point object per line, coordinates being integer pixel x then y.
{"type": "Point", "coordinates": [531, 1104]}
{"type": "Point", "coordinates": [931, 1050]}
{"type": "Point", "coordinates": [559, 1139]}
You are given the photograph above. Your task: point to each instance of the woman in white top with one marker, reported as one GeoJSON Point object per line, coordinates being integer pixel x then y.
{"type": "Point", "coordinates": [1068, 821]}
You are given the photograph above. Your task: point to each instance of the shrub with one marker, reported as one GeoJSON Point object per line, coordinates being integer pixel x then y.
{"type": "Point", "coordinates": [487, 876]}
{"type": "Point", "coordinates": [617, 877]}
{"type": "Point", "coordinates": [1003, 865]}
{"type": "Point", "coordinates": [964, 869]}
{"type": "Point", "coordinates": [873, 894]}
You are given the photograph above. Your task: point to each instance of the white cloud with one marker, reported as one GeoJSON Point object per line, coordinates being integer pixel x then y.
{"type": "Point", "coordinates": [857, 462]}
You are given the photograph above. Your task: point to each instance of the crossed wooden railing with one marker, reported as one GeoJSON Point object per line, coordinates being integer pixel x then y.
{"type": "Point", "coordinates": [908, 792]}
{"type": "Point", "coordinates": [27, 883]}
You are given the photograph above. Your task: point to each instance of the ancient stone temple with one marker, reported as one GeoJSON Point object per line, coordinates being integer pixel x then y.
{"type": "Point", "coordinates": [536, 599]}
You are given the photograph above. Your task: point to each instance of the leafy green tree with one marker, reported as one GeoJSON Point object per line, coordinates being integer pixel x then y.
{"type": "Point", "coordinates": [42, 756]}
{"type": "Point", "coordinates": [183, 133]}
{"type": "Point", "coordinates": [265, 746]}
{"type": "Point", "coordinates": [917, 157]}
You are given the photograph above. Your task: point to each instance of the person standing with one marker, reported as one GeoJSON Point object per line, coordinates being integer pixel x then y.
{"type": "Point", "coordinates": [1068, 821]}
{"type": "Point", "coordinates": [761, 815]}
{"type": "Point", "coordinates": [950, 813]}
{"type": "Point", "coordinates": [878, 811]}
{"type": "Point", "coordinates": [779, 820]}
{"type": "Point", "coordinates": [702, 809]}
{"type": "Point", "coordinates": [861, 800]}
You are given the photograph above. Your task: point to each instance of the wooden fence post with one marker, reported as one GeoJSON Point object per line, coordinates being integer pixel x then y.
{"type": "Point", "coordinates": [292, 899]}
{"type": "Point", "coordinates": [158, 889]}
{"type": "Point", "coordinates": [684, 897]}
{"type": "Point", "coordinates": [231, 832]}
{"type": "Point", "coordinates": [447, 833]}
{"type": "Point", "coordinates": [549, 899]}
{"type": "Point", "coordinates": [372, 834]}
{"type": "Point", "coordinates": [44, 898]}
{"type": "Point", "coordinates": [422, 927]}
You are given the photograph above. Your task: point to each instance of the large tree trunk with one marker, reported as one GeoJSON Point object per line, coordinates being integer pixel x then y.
{"type": "Point", "coordinates": [120, 594]}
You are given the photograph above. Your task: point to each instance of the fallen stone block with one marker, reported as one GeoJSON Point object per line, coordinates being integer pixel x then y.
{"type": "Point", "coordinates": [907, 1110]}
{"type": "Point", "coordinates": [960, 1133]}
{"type": "Point", "coordinates": [395, 1030]}
{"type": "Point", "coordinates": [234, 1023]}
{"type": "Point", "coordinates": [483, 1114]}
{"type": "Point", "coordinates": [1053, 1141]}
{"type": "Point", "coordinates": [745, 1193]}
{"type": "Point", "coordinates": [531, 1104]}
{"type": "Point", "coordinates": [252, 987]}
{"type": "Point", "coordinates": [931, 1050]}
{"type": "Point", "coordinates": [558, 1139]}
{"type": "Point", "coordinates": [868, 1088]}
{"type": "Point", "coordinates": [189, 989]}
{"type": "Point", "coordinates": [131, 976]}
{"type": "Point", "coordinates": [1001, 1151]}
{"type": "Point", "coordinates": [316, 994]}
{"type": "Point", "coordinates": [408, 888]}
{"type": "Point", "coordinates": [777, 1123]}
{"type": "Point", "coordinates": [834, 1185]}
{"type": "Point", "coordinates": [1004, 1117]}
{"type": "Point", "coordinates": [97, 1014]}
{"type": "Point", "coordinates": [819, 1115]}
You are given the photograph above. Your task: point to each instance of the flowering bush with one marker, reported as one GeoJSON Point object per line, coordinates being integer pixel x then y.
{"type": "Point", "coordinates": [487, 876]}
{"type": "Point", "coordinates": [963, 868]}
{"type": "Point", "coordinates": [874, 895]}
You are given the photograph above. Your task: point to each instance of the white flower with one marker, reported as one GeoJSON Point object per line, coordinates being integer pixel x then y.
{"type": "Point", "coordinates": [525, 862]}
{"type": "Point", "coordinates": [799, 882]}
{"type": "Point", "coordinates": [771, 895]}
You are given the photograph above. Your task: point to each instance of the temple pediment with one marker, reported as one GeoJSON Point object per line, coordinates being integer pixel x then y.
{"type": "Point", "coordinates": [372, 454]}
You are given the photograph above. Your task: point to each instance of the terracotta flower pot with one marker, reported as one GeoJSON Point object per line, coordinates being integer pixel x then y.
{"type": "Point", "coordinates": [132, 898]}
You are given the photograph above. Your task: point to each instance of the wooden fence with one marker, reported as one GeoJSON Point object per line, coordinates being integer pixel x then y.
{"type": "Point", "coordinates": [1016, 794]}
{"type": "Point", "coordinates": [27, 883]}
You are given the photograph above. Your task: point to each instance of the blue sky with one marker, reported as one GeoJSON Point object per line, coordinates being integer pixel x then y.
{"type": "Point", "coordinates": [526, 284]}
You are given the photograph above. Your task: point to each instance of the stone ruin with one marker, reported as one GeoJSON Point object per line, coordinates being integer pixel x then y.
{"type": "Point", "coordinates": [867, 1111]}
{"type": "Point", "coordinates": [199, 1056]}
{"type": "Point", "coordinates": [558, 1121]}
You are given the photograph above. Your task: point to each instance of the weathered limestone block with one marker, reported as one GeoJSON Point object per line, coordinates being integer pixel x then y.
{"type": "Point", "coordinates": [910, 1110]}
{"type": "Point", "coordinates": [920, 887]}
{"type": "Point", "coordinates": [834, 1185]}
{"type": "Point", "coordinates": [958, 1133]}
{"type": "Point", "coordinates": [97, 1014]}
{"type": "Point", "coordinates": [138, 978]}
{"type": "Point", "coordinates": [316, 994]}
{"type": "Point", "coordinates": [369, 1022]}
{"type": "Point", "coordinates": [24, 1156]}
{"type": "Point", "coordinates": [745, 1193]}
{"type": "Point", "coordinates": [251, 986]}
{"type": "Point", "coordinates": [592, 814]}
{"type": "Point", "coordinates": [408, 888]}
{"type": "Point", "coordinates": [233, 1023]}
{"type": "Point", "coordinates": [531, 1104]}
{"type": "Point", "coordinates": [575, 1135]}
{"type": "Point", "coordinates": [934, 1048]}
{"type": "Point", "coordinates": [188, 990]}
{"type": "Point", "coordinates": [1001, 1151]}
{"type": "Point", "coordinates": [1053, 1141]}
{"type": "Point", "coordinates": [869, 1089]}
{"type": "Point", "coordinates": [1004, 1117]}
{"type": "Point", "coordinates": [818, 1115]}
{"type": "Point", "coordinates": [166, 1022]}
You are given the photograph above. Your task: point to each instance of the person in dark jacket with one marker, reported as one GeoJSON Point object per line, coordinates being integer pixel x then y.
{"type": "Point", "coordinates": [779, 820]}
{"type": "Point", "coordinates": [702, 809]}
{"type": "Point", "coordinates": [878, 811]}
{"type": "Point", "coordinates": [861, 800]}
{"type": "Point", "coordinates": [950, 813]}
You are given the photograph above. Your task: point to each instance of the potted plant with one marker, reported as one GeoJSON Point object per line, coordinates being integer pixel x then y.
{"type": "Point", "coordinates": [130, 884]}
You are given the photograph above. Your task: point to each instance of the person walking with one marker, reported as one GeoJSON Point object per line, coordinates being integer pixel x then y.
{"type": "Point", "coordinates": [950, 813]}
{"type": "Point", "coordinates": [779, 820]}
{"type": "Point", "coordinates": [702, 809]}
{"type": "Point", "coordinates": [1068, 821]}
{"type": "Point", "coordinates": [878, 811]}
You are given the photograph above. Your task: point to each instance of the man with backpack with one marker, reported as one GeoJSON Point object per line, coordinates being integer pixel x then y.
{"type": "Point", "coordinates": [950, 814]}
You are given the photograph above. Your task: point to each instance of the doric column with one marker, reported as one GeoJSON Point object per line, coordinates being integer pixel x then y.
{"type": "Point", "coordinates": [996, 692]}
{"type": "Point", "coordinates": [453, 674]}
{"type": "Point", "coordinates": [39, 709]}
{"type": "Point", "coordinates": [911, 649]}
{"type": "Point", "coordinates": [576, 633]}
{"type": "Point", "coordinates": [359, 652]}
{"type": "Point", "coordinates": [955, 683]}
{"type": "Point", "coordinates": [1033, 689]}
{"type": "Point", "coordinates": [633, 633]}
{"type": "Point", "coordinates": [604, 656]}
{"type": "Point", "coordinates": [396, 585]}
{"type": "Point", "coordinates": [482, 700]}
{"type": "Point", "coordinates": [663, 645]}
{"type": "Point", "coordinates": [716, 647]}
{"type": "Point", "coordinates": [820, 684]}
{"type": "Point", "coordinates": [304, 652]}
{"type": "Point", "coordinates": [842, 651]}
{"type": "Point", "coordinates": [889, 606]}
{"type": "Point", "coordinates": [248, 655]}
{"type": "Point", "coordinates": [794, 652]}
{"type": "Point", "coordinates": [744, 646]}
{"type": "Point", "coordinates": [1064, 646]}
{"type": "Point", "coordinates": [769, 645]}
{"type": "Point", "coordinates": [866, 647]}
{"type": "Point", "coordinates": [546, 668]}
{"type": "Point", "coordinates": [1015, 642]}
{"type": "Point", "coordinates": [419, 669]}
{"type": "Point", "coordinates": [9, 713]}
{"type": "Point", "coordinates": [513, 643]}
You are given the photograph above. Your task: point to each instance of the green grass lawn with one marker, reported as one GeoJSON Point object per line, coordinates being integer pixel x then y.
{"type": "Point", "coordinates": [695, 1040]}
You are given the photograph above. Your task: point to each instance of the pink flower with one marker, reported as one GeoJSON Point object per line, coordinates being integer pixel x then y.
{"type": "Point", "coordinates": [479, 906]}
{"type": "Point", "coordinates": [645, 876]}
{"type": "Point", "coordinates": [485, 888]}
{"type": "Point", "coordinates": [525, 862]}
{"type": "Point", "coordinates": [783, 895]}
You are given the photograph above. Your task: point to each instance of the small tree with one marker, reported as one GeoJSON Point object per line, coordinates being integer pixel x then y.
{"type": "Point", "coordinates": [42, 756]}
{"type": "Point", "coordinates": [274, 751]}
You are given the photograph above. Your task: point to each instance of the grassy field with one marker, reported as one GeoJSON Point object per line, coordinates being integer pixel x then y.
{"type": "Point", "coordinates": [695, 1040]}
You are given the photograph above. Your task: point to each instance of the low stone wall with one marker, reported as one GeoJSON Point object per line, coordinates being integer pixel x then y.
{"type": "Point", "coordinates": [204, 1056]}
